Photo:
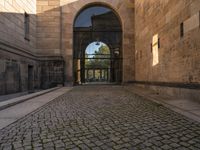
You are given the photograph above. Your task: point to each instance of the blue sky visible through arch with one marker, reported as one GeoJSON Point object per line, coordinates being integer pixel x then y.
{"type": "Point", "coordinates": [91, 48]}
{"type": "Point", "coordinates": [84, 18]}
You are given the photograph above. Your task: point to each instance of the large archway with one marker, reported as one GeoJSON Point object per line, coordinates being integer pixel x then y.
{"type": "Point", "coordinates": [97, 24]}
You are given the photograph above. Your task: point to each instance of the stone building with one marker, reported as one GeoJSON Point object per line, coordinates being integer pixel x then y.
{"type": "Point", "coordinates": [159, 48]}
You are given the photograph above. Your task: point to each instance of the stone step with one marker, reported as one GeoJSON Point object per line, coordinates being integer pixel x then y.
{"type": "Point", "coordinates": [14, 101]}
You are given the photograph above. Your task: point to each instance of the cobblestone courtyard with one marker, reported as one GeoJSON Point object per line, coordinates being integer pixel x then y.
{"type": "Point", "coordinates": [101, 117]}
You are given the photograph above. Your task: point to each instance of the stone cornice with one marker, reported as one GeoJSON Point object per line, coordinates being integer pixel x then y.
{"type": "Point", "coordinates": [7, 47]}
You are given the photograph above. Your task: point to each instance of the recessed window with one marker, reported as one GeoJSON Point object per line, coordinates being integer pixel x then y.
{"type": "Point", "coordinates": [158, 42]}
{"type": "Point", "coordinates": [182, 29]}
{"type": "Point", "coordinates": [199, 18]}
{"type": "Point", "coordinates": [27, 26]}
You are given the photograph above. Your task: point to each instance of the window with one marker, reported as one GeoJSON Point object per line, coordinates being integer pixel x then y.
{"type": "Point", "coordinates": [26, 26]}
{"type": "Point", "coordinates": [182, 29]}
{"type": "Point", "coordinates": [199, 18]}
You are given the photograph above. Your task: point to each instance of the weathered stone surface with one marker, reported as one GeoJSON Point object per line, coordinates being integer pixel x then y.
{"type": "Point", "coordinates": [101, 117]}
{"type": "Point", "coordinates": [12, 22]}
{"type": "Point", "coordinates": [177, 56]}
{"type": "Point", "coordinates": [51, 35]}
{"type": "Point", "coordinates": [20, 64]}
{"type": "Point", "coordinates": [67, 10]}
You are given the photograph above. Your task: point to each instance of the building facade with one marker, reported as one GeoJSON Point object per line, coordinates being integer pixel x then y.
{"type": "Point", "coordinates": [160, 43]}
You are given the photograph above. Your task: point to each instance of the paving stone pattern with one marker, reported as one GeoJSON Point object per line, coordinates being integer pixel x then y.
{"type": "Point", "coordinates": [101, 117]}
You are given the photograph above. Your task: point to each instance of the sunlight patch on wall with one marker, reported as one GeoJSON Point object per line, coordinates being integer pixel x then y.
{"type": "Point", "coordinates": [18, 6]}
{"type": "Point", "coordinates": [192, 23]}
{"type": "Point", "coordinates": [65, 2]}
{"type": "Point", "coordinates": [155, 44]}
{"type": "Point", "coordinates": [130, 3]}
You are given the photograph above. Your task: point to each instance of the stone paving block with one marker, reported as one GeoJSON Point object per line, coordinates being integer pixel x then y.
{"type": "Point", "coordinates": [117, 119]}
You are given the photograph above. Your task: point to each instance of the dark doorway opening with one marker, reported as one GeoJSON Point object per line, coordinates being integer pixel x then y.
{"type": "Point", "coordinates": [97, 46]}
{"type": "Point", "coordinates": [30, 79]}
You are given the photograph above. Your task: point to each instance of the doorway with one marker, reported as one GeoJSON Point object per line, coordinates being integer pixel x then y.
{"type": "Point", "coordinates": [97, 46]}
{"type": "Point", "coordinates": [30, 78]}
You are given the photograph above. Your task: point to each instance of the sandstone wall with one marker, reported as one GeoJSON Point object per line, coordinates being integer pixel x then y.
{"type": "Point", "coordinates": [12, 23]}
{"type": "Point", "coordinates": [178, 57]}
{"type": "Point", "coordinates": [48, 27]}
{"type": "Point", "coordinates": [55, 20]}
{"type": "Point", "coordinates": [22, 67]}
{"type": "Point", "coordinates": [125, 10]}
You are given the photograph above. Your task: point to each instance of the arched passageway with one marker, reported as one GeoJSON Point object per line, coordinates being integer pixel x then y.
{"type": "Point", "coordinates": [97, 63]}
{"type": "Point", "coordinates": [97, 46]}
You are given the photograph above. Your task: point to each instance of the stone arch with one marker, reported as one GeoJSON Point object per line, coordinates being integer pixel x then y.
{"type": "Point", "coordinates": [70, 9]}
{"type": "Point", "coordinates": [99, 4]}
{"type": "Point", "coordinates": [109, 31]}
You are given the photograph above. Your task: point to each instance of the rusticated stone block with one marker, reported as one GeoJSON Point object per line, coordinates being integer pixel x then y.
{"type": "Point", "coordinates": [176, 54]}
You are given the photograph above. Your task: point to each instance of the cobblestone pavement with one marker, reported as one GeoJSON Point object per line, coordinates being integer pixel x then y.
{"type": "Point", "coordinates": [101, 117]}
